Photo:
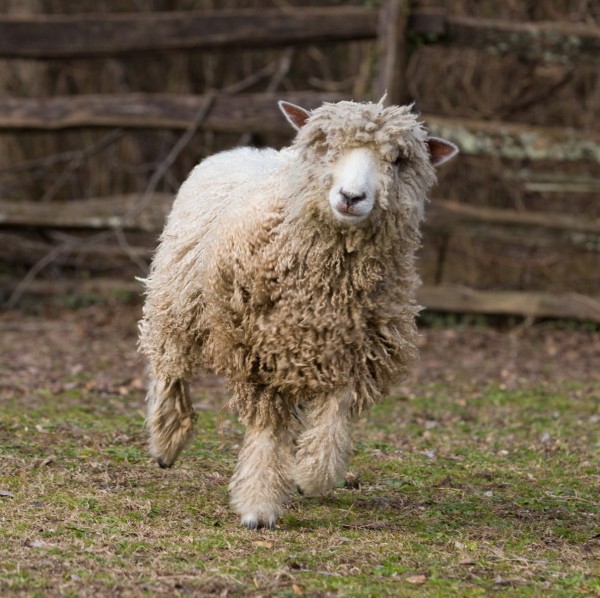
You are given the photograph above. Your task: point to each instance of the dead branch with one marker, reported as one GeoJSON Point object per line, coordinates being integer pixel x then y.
{"type": "Point", "coordinates": [77, 161]}
{"type": "Point", "coordinates": [183, 141]}
{"type": "Point", "coordinates": [510, 108]}
{"type": "Point", "coordinates": [281, 71]}
{"type": "Point", "coordinates": [48, 161]}
{"type": "Point", "coordinates": [118, 230]}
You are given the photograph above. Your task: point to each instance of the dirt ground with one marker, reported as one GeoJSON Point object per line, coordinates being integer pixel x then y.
{"type": "Point", "coordinates": [96, 346]}
{"type": "Point", "coordinates": [478, 476]}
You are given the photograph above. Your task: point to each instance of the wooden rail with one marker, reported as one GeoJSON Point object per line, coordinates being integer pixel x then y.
{"type": "Point", "coordinates": [551, 41]}
{"type": "Point", "coordinates": [117, 34]}
{"type": "Point", "coordinates": [93, 255]}
{"type": "Point", "coordinates": [258, 112]}
{"type": "Point", "coordinates": [70, 36]}
{"type": "Point", "coordinates": [538, 229]}
{"type": "Point", "coordinates": [452, 298]}
{"type": "Point", "coordinates": [252, 112]}
{"type": "Point", "coordinates": [136, 213]}
{"type": "Point", "coordinates": [120, 211]}
{"type": "Point", "coordinates": [516, 141]}
{"type": "Point", "coordinates": [552, 182]}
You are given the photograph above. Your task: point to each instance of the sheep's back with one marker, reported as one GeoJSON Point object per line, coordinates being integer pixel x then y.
{"type": "Point", "coordinates": [226, 196]}
{"type": "Point", "coordinates": [229, 187]}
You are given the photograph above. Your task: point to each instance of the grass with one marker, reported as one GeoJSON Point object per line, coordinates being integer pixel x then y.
{"type": "Point", "coordinates": [471, 495]}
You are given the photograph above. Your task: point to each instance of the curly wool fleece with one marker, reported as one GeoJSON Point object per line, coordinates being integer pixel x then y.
{"type": "Point", "coordinates": [254, 278]}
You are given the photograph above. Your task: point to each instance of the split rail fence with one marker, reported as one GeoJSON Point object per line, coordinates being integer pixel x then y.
{"type": "Point", "coordinates": [68, 37]}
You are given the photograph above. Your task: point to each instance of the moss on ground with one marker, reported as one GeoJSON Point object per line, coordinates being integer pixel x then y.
{"type": "Point", "coordinates": [493, 492]}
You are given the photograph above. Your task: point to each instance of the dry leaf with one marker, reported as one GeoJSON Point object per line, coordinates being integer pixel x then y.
{"type": "Point", "coordinates": [48, 460]}
{"type": "Point", "coordinates": [263, 543]}
{"type": "Point", "coordinates": [299, 590]}
{"type": "Point", "coordinates": [416, 579]}
{"type": "Point", "coordinates": [6, 493]}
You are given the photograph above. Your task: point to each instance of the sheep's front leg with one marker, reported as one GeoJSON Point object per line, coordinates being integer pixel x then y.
{"type": "Point", "coordinates": [324, 446]}
{"type": "Point", "coordinates": [261, 482]}
{"type": "Point", "coordinates": [170, 418]}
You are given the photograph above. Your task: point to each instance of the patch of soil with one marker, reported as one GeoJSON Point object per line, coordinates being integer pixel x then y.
{"type": "Point", "coordinates": [540, 355]}
{"type": "Point", "coordinates": [95, 348]}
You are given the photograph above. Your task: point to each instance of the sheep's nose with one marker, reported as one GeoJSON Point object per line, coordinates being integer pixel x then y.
{"type": "Point", "coordinates": [350, 198]}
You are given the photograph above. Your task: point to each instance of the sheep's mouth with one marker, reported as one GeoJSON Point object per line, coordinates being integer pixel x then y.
{"type": "Point", "coordinates": [343, 208]}
{"type": "Point", "coordinates": [349, 214]}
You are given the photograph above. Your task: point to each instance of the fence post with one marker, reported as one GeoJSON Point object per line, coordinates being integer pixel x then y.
{"type": "Point", "coordinates": [393, 52]}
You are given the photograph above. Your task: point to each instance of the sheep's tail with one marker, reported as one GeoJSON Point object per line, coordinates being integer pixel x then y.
{"type": "Point", "coordinates": [170, 418]}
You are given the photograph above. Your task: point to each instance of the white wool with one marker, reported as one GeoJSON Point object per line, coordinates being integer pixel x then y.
{"type": "Point", "coordinates": [292, 272]}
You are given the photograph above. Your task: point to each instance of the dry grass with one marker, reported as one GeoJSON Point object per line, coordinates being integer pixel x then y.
{"type": "Point", "coordinates": [480, 476]}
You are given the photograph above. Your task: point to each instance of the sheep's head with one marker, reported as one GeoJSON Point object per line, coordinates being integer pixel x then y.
{"type": "Point", "coordinates": [369, 158]}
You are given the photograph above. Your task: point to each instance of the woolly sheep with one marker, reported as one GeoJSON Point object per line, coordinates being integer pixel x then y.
{"type": "Point", "coordinates": [292, 273]}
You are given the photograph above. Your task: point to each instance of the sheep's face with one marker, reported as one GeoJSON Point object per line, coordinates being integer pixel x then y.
{"type": "Point", "coordinates": [370, 159]}
{"type": "Point", "coordinates": [355, 182]}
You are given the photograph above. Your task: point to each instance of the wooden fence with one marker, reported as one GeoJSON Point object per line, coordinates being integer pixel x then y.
{"type": "Point", "coordinates": [43, 37]}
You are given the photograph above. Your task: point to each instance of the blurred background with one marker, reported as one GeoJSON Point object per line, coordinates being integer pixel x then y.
{"type": "Point", "coordinates": [106, 106]}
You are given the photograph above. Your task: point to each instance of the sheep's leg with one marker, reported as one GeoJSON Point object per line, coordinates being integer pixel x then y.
{"type": "Point", "coordinates": [324, 446]}
{"type": "Point", "coordinates": [261, 482]}
{"type": "Point", "coordinates": [170, 418]}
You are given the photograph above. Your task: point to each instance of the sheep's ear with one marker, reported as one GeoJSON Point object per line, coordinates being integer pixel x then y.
{"type": "Point", "coordinates": [440, 150]}
{"type": "Point", "coordinates": [295, 115]}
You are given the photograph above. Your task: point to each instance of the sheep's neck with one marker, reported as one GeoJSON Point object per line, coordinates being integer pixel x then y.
{"type": "Point", "coordinates": [358, 259]}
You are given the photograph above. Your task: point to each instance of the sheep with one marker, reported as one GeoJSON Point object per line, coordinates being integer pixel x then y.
{"type": "Point", "coordinates": [292, 273]}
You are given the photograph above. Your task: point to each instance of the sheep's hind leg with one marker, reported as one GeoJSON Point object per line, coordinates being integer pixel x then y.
{"type": "Point", "coordinates": [261, 482]}
{"type": "Point", "coordinates": [170, 418]}
{"type": "Point", "coordinates": [324, 446]}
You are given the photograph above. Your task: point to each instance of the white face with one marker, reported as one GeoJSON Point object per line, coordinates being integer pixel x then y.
{"type": "Point", "coordinates": [355, 181]}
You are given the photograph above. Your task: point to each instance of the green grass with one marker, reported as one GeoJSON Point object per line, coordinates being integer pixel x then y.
{"type": "Point", "coordinates": [495, 492]}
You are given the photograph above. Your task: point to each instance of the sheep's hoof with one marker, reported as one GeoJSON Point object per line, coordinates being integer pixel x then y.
{"type": "Point", "coordinates": [253, 523]}
{"type": "Point", "coordinates": [164, 465]}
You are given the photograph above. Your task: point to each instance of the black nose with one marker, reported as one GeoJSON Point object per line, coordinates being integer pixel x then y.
{"type": "Point", "coordinates": [352, 198]}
